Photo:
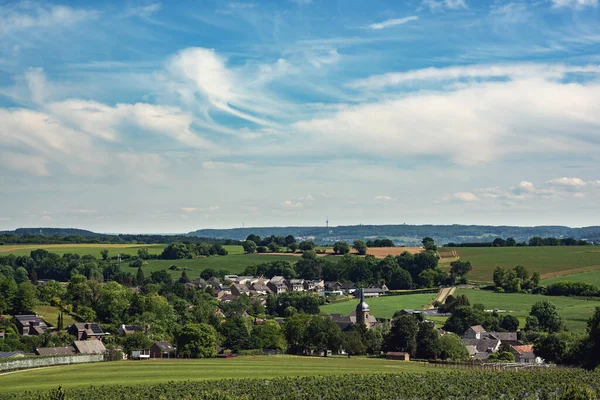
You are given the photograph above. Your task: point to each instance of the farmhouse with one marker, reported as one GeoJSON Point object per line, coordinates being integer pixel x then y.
{"type": "Point", "coordinates": [524, 354]}
{"type": "Point", "coordinates": [55, 351]}
{"type": "Point", "coordinates": [296, 285]}
{"type": "Point", "coordinates": [370, 292]}
{"type": "Point", "coordinates": [162, 349]}
{"type": "Point", "coordinates": [481, 343]}
{"type": "Point", "coordinates": [125, 330]}
{"type": "Point", "coordinates": [30, 325]}
{"type": "Point", "coordinates": [261, 288]}
{"type": "Point", "coordinates": [89, 347]}
{"type": "Point", "coordinates": [237, 289]}
{"type": "Point", "coordinates": [314, 285]}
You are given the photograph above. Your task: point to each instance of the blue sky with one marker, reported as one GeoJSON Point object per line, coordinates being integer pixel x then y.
{"type": "Point", "coordinates": [143, 116]}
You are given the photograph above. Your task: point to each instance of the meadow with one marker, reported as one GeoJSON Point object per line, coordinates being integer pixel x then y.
{"type": "Point", "coordinates": [591, 277]}
{"type": "Point", "coordinates": [548, 261]}
{"type": "Point", "coordinates": [575, 311]}
{"type": "Point", "coordinates": [382, 307]}
{"type": "Point", "coordinates": [82, 249]}
{"type": "Point", "coordinates": [156, 371]}
{"type": "Point", "coordinates": [50, 315]}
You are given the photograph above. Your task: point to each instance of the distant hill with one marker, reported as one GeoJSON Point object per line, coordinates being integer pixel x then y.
{"type": "Point", "coordinates": [407, 234]}
{"type": "Point", "coordinates": [51, 232]}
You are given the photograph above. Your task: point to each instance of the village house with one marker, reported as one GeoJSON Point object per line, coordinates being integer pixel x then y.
{"type": "Point", "coordinates": [89, 347]}
{"type": "Point", "coordinates": [397, 355]}
{"type": "Point", "coordinates": [86, 330]}
{"type": "Point", "coordinates": [481, 343]}
{"type": "Point", "coordinates": [348, 287]}
{"type": "Point", "coordinates": [238, 289]}
{"type": "Point", "coordinates": [162, 349]}
{"type": "Point", "coordinates": [370, 292]}
{"type": "Point", "coordinates": [261, 288]}
{"type": "Point", "coordinates": [125, 330]}
{"type": "Point", "coordinates": [55, 351]}
{"type": "Point", "coordinates": [277, 285]}
{"type": "Point", "coordinates": [314, 285]}
{"type": "Point", "coordinates": [524, 354]}
{"type": "Point", "coordinates": [30, 325]}
{"type": "Point", "coordinates": [296, 285]}
{"type": "Point", "coordinates": [215, 283]}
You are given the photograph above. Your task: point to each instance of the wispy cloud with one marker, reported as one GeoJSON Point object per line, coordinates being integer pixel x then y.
{"type": "Point", "coordinates": [142, 11]}
{"type": "Point", "coordinates": [387, 198]}
{"type": "Point", "coordinates": [438, 5]}
{"type": "Point", "coordinates": [392, 22]}
{"type": "Point", "coordinates": [574, 3]}
{"type": "Point", "coordinates": [26, 15]}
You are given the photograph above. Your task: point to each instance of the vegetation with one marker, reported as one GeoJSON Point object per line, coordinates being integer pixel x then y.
{"type": "Point", "coordinates": [383, 307]}
{"type": "Point", "coordinates": [550, 384]}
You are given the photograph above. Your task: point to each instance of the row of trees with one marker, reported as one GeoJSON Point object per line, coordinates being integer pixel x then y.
{"type": "Point", "coordinates": [515, 280]}
{"type": "Point", "coordinates": [534, 241]}
{"type": "Point", "coordinates": [180, 250]}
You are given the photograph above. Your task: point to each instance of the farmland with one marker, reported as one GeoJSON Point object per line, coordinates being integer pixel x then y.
{"type": "Point", "coordinates": [81, 249]}
{"type": "Point", "coordinates": [591, 277]}
{"type": "Point", "coordinates": [548, 261]}
{"type": "Point", "coordinates": [156, 371]}
{"type": "Point", "coordinates": [382, 307]}
{"type": "Point", "coordinates": [575, 311]}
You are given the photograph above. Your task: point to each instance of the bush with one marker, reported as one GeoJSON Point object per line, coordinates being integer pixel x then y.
{"type": "Point", "coordinates": [252, 352]}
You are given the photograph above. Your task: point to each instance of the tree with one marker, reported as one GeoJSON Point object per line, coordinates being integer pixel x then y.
{"type": "Point", "coordinates": [289, 239]}
{"type": "Point", "coordinates": [196, 341]}
{"type": "Point", "coordinates": [136, 263]}
{"type": "Point", "coordinates": [323, 334]}
{"type": "Point", "coordinates": [429, 244]}
{"type": "Point", "coordinates": [294, 329]}
{"type": "Point", "coordinates": [249, 246]}
{"type": "Point", "coordinates": [293, 247]}
{"type": "Point", "coordinates": [139, 277]}
{"type": "Point", "coordinates": [237, 334]}
{"type": "Point", "coordinates": [460, 269]}
{"type": "Point", "coordinates": [452, 348]}
{"type": "Point", "coordinates": [403, 335]}
{"type": "Point", "coordinates": [502, 356]}
{"type": "Point", "coordinates": [103, 253]}
{"type": "Point", "coordinates": [551, 347]}
{"type": "Point", "coordinates": [400, 279]}
{"type": "Point", "coordinates": [548, 317]}
{"type": "Point", "coordinates": [593, 329]}
{"type": "Point", "coordinates": [307, 245]}
{"type": "Point", "coordinates": [21, 275]}
{"type": "Point", "coordinates": [341, 248]}
{"type": "Point", "coordinates": [113, 303]}
{"type": "Point", "coordinates": [510, 242]}
{"type": "Point", "coordinates": [135, 341]}
{"type": "Point", "coordinates": [509, 323]}
{"type": "Point", "coordinates": [309, 266]}
{"type": "Point", "coordinates": [532, 324]}
{"type": "Point", "coordinates": [253, 238]}
{"type": "Point", "coordinates": [269, 335]}
{"type": "Point", "coordinates": [499, 277]}
{"type": "Point", "coordinates": [25, 300]}
{"type": "Point", "coordinates": [273, 247]}
{"type": "Point", "coordinates": [184, 278]}
{"type": "Point", "coordinates": [143, 253]}
{"type": "Point", "coordinates": [360, 247]}
{"type": "Point", "coordinates": [52, 292]}
{"type": "Point", "coordinates": [499, 242]}
{"type": "Point", "coordinates": [428, 341]}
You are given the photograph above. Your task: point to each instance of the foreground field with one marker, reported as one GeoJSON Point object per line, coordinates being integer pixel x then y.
{"type": "Point", "coordinates": [400, 381]}
{"type": "Point", "coordinates": [81, 249]}
{"type": "Point", "coordinates": [382, 307]}
{"type": "Point", "coordinates": [548, 261]}
{"type": "Point", "coordinates": [575, 311]}
{"type": "Point", "coordinates": [156, 371]}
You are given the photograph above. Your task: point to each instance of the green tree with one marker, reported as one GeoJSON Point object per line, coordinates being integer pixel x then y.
{"type": "Point", "coordinates": [52, 292]}
{"type": "Point", "coordinates": [307, 245]}
{"type": "Point", "coordinates": [532, 323]}
{"type": "Point", "coordinates": [452, 348]}
{"type": "Point", "coordinates": [510, 242]}
{"type": "Point", "coordinates": [273, 247]}
{"type": "Point", "coordinates": [113, 303]}
{"type": "Point", "coordinates": [429, 244]}
{"type": "Point", "coordinates": [428, 341]}
{"type": "Point", "coordinates": [184, 278]}
{"type": "Point", "coordinates": [323, 334]}
{"type": "Point", "coordinates": [593, 330]}
{"type": "Point", "coordinates": [360, 247]}
{"type": "Point", "coordinates": [293, 247]}
{"type": "Point", "coordinates": [269, 335]}
{"type": "Point", "coordinates": [341, 248]}
{"type": "Point", "coordinates": [249, 246]}
{"type": "Point", "coordinates": [459, 269]}
{"type": "Point", "coordinates": [26, 299]}
{"type": "Point", "coordinates": [21, 275]}
{"type": "Point", "coordinates": [143, 253]}
{"type": "Point", "coordinates": [135, 341]}
{"type": "Point", "coordinates": [509, 323]}
{"type": "Point", "coordinates": [236, 332]}
{"type": "Point", "coordinates": [294, 329]}
{"type": "Point", "coordinates": [196, 341]}
{"type": "Point", "coordinates": [139, 277]}
{"type": "Point", "coordinates": [104, 254]}
{"type": "Point", "coordinates": [499, 277]}
{"type": "Point", "coordinates": [403, 335]}
{"type": "Point", "coordinates": [548, 317]}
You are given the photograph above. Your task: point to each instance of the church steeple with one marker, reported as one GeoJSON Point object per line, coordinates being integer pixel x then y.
{"type": "Point", "coordinates": [362, 310]}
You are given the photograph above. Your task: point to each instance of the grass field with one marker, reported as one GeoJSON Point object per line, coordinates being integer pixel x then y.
{"type": "Point", "coordinates": [50, 315]}
{"type": "Point", "coordinates": [157, 371]}
{"type": "Point", "coordinates": [575, 311]}
{"type": "Point", "coordinates": [383, 307]}
{"type": "Point", "coordinates": [548, 261]}
{"type": "Point", "coordinates": [235, 264]}
{"type": "Point", "coordinates": [592, 277]}
{"type": "Point", "coordinates": [81, 249]}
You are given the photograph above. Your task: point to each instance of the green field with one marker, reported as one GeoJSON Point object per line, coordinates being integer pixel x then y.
{"type": "Point", "coordinates": [548, 261]}
{"type": "Point", "coordinates": [592, 277]}
{"type": "Point", "coordinates": [157, 371]}
{"type": "Point", "coordinates": [50, 315]}
{"type": "Point", "coordinates": [235, 264]}
{"type": "Point", "coordinates": [575, 311]}
{"type": "Point", "coordinates": [81, 249]}
{"type": "Point", "coordinates": [382, 307]}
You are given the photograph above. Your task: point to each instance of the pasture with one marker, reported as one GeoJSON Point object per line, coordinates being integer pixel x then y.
{"type": "Point", "coordinates": [591, 277]}
{"type": "Point", "coordinates": [382, 307]}
{"type": "Point", "coordinates": [548, 261]}
{"type": "Point", "coordinates": [81, 249]}
{"type": "Point", "coordinates": [158, 371]}
{"type": "Point", "coordinates": [575, 311]}
{"type": "Point", "coordinates": [50, 315]}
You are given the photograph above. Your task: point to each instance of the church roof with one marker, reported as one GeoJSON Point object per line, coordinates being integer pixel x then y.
{"type": "Point", "coordinates": [362, 306]}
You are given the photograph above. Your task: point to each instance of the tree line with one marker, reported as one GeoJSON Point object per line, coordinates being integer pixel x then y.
{"type": "Point", "coordinates": [535, 241]}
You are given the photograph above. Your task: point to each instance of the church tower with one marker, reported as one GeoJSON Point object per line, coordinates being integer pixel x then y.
{"type": "Point", "coordinates": [362, 311]}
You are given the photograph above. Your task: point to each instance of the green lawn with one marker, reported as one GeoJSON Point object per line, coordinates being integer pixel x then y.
{"type": "Point", "coordinates": [235, 264]}
{"type": "Point", "coordinates": [82, 249]}
{"type": "Point", "coordinates": [157, 371]}
{"type": "Point", "coordinates": [548, 261]}
{"type": "Point", "coordinates": [382, 307]}
{"type": "Point", "coordinates": [592, 277]}
{"type": "Point", "coordinates": [575, 311]}
{"type": "Point", "coordinates": [50, 315]}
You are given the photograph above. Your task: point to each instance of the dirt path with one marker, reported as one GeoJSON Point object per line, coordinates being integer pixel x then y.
{"type": "Point", "coordinates": [443, 295]}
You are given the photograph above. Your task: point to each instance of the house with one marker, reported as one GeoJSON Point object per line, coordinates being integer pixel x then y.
{"type": "Point", "coordinates": [397, 355]}
{"type": "Point", "coordinates": [230, 278]}
{"type": "Point", "coordinates": [125, 330]}
{"type": "Point", "coordinates": [332, 286]}
{"type": "Point", "coordinates": [227, 298]}
{"type": "Point", "coordinates": [11, 354]}
{"type": "Point", "coordinates": [524, 354]}
{"type": "Point", "coordinates": [142, 354]}
{"type": "Point", "coordinates": [296, 285]}
{"type": "Point", "coordinates": [314, 285]}
{"type": "Point", "coordinates": [201, 283]}
{"type": "Point", "coordinates": [30, 325]}
{"type": "Point", "coordinates": [86, 330]}
{"type": "Point", "coordinates": [277, 279]}
{"type": "Point", "coordinates": [222, 292]}
{"type": "Point", "coordinates": [481, 343]}
{"type": "Point", "coordinates": [2, 335]}
{"type": "Point", "coordinates": [243, 280]}
{"type": "Point", "coordinates": [238, 289]}
{"type": "Point", "coordinates": [89, 347]}
{"type": "Point", "coordinates": [214, 282]}
{"type": "Point", "coordinates": [348, 287]}
{"type": "Point", "coordinates": [361, 315]}
{"type": "Point", "coordinates": [55, 351]}
{"type": "Point", "coordinates": [383, 287]}
{"type": "Point", "coordinates": [277, 287]}
{"type": "Point", "coordinates": [370, 292]}
{"type": "Point", "coordinates": [474, 332]}
{"type": "Point", "coordinates": [162, 349]}
{"type": "Point", "coordinates": [261, 288]}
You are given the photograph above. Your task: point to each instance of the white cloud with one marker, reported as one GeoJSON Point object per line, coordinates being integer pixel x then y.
{"type": "Point", "coordinates": [142, 11]}
{"type": "Point", "coordinates": [392, 22]}
{"type": "Point", "coordinates": [465, 196]}
{"type": "Point", "coordinates": [575, 3]}
{"type": "Point", "coordinates": [387, 198]}
{"type": "Point", "coordinates": [564, 181]}
{"type": "Point", "coordinates": [26, 15]}
{"type": "Point", "coordinates": [45, 218]}
{"type": "Point", "coordinates": [483, 71]}
{"type": "Point", "coordinates": [291, 204]}
{"type": "Point", "coordinates": [188, 209]}
{"type": "Point", "coordinates": [437, 5]}
{"type": "Point", "coordinates": [34, 165]}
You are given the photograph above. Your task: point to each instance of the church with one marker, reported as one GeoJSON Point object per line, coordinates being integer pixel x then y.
{"type": "Point", "coordinates": [361, 315]}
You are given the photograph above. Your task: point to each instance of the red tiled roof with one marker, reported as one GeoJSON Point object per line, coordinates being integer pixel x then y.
{"type": "Point", "coordinates": [522, 349]}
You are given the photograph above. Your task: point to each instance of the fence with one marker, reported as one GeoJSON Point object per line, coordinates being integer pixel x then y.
{"type": "Point", "coordinates": [36, 362]}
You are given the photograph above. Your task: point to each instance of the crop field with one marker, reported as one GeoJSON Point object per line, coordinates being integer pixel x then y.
{"type": "Point", "coordinates": [383, 307]}
{"type": "Point", "coordinates": [156, 371]}
{"type": "Point", "coordinates": [548, 261]}
{"type": "Point", "coordinates": [235, 264]}
{"type": "Point", "coordinates": [591, 277]}
{"type": "Point", "coordinates": [575, 311]}
{"type": "Point", "coordinates": [81, 249]}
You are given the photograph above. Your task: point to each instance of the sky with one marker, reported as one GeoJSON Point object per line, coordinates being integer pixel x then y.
{"type": "Point", "coordinates": [142, 116]}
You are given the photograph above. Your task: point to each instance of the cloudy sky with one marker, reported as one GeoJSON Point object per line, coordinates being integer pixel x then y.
{"type": "Point", "coordinates": [169, 117]}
